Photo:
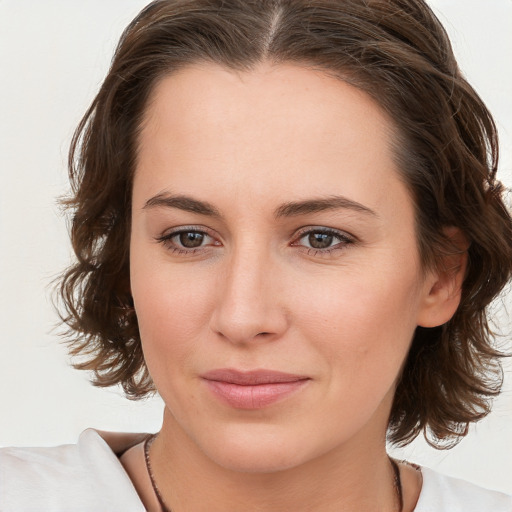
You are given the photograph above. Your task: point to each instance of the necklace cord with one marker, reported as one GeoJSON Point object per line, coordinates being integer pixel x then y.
{"type": "Point", "coordinates": [147, 444]}
{"type": "Point", "coordinates": [397, 481]}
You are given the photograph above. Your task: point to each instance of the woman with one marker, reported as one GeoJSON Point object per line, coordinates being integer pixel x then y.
{"type": "Point", "coordinates": [287, 222]}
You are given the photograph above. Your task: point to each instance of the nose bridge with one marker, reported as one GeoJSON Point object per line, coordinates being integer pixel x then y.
{"type": "Point", "coordinates": [248, 303]}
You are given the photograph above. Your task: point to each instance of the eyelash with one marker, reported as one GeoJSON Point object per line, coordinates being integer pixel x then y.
{"type": "Point", "coordinates": [344, 240]}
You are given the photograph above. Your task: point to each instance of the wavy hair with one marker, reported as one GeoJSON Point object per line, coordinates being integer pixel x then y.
{"type": "Point", "coordinates": [445, 146]}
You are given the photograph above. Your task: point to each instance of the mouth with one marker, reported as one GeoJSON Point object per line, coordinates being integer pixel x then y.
{"type": "Point", "coordinates": [254, 389]}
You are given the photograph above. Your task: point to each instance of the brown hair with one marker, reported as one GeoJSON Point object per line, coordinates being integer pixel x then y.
{"type": "Point", "coordinates": [446, 147]}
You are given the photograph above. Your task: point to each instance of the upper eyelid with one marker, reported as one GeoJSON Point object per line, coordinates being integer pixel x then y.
{"type": "Point", "coordinates": [184, 229]}
{"type": "Point", "coordinates": [324, 229]}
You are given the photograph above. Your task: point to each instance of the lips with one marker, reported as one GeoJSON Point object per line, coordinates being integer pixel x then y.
{"type": "Point", "coordinates": [254, 389]}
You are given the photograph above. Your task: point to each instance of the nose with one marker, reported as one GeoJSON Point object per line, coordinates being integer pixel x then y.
{"type": "Point", "coordinates": [249, 301]}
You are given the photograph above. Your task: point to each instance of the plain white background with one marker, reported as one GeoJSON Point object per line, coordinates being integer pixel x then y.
{"type": "Point", "coordinates": [53, 56]}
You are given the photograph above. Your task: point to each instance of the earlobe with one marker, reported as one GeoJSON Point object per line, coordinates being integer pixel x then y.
{"type": "Point", "coordinates": [443, 285]}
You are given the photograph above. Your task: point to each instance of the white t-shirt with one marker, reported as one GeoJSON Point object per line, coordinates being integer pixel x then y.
{"type": "Point", "coordinates": [88, 477]}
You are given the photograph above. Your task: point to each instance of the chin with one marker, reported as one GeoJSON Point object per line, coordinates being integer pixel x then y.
{"type": "Point", "coordinates": [257, 460]}
{"type": "Point", "coordinates": [259, 451]}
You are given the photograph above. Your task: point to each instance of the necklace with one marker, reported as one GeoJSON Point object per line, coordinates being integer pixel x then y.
{"type": "Point", "coordinates": [397, 482]}
{"type": "Point", "coordinates": [147, 443]}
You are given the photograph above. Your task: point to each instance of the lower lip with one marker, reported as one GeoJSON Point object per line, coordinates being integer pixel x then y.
{"type": "Point", "coordinates": [255, 396]}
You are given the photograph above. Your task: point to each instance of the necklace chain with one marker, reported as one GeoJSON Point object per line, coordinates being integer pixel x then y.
{"type": "Point", "coordinates": [397, 481]}
{"type": "Point", "coordinates": [147, 443]}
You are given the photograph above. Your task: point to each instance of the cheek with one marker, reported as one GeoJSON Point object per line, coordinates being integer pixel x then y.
{"type": "Point", "coordinates": [172, 308]}
{"type": "Point", "coordinates": [365, 320]}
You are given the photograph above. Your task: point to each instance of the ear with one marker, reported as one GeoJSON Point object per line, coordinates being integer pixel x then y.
{"type": "Point", "coordinates": [443, 285]}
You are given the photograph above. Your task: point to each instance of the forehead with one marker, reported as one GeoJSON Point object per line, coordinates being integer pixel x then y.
{"type": "Point", "coordinates": [284, 97]}
{"type": "Point", "coordinates": [283, 128]}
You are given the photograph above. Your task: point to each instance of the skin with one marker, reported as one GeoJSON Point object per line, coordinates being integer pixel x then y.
{"type": "Point", "coordinates": [255, 294]}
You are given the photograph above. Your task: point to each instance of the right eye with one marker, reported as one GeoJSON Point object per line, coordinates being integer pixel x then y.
{"type": "Point", "coordinates": [187, 240]}
{"type": "Point", "coordinates": [190, 239]}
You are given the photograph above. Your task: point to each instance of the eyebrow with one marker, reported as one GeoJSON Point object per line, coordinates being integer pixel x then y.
{"type": "Point", "coordinates": [289, 209]}
{"type": "Point", "coordinates": [296, 208]}
{"type": "Point", "coordinates": [181, 202]}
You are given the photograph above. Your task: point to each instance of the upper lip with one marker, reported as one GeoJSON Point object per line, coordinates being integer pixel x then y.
{"type": "Point", "coordinates": [251, 378]}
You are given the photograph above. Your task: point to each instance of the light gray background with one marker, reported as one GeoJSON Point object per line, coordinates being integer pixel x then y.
{"type": "Point", "coordinates": [53, 56]}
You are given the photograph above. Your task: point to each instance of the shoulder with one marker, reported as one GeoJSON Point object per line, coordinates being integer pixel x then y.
{"type": "Point", "coordinates": [441, 493]}
{"type": "Point", "coordinates": [73, 478]}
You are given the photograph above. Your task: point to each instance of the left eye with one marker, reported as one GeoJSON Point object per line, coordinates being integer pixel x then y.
{"type": "Point", "coordinates": [324, 240]}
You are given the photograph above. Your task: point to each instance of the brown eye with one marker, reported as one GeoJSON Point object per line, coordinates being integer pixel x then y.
{"type": "Point", "coordinates": [324, 240]}
{"type": "Point", "coordinates": [187, 241]}
{"type": "Point", "coordinates": [191, 239]}
{"type": "Point", "coordinates": [320, 240]}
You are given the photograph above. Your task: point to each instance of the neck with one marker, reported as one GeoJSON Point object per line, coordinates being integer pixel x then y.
{"type": "Point", "coordinates": [357, 476]}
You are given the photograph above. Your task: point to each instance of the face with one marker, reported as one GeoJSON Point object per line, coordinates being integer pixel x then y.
{"type": "Point", "coordinates": [274, 265]}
